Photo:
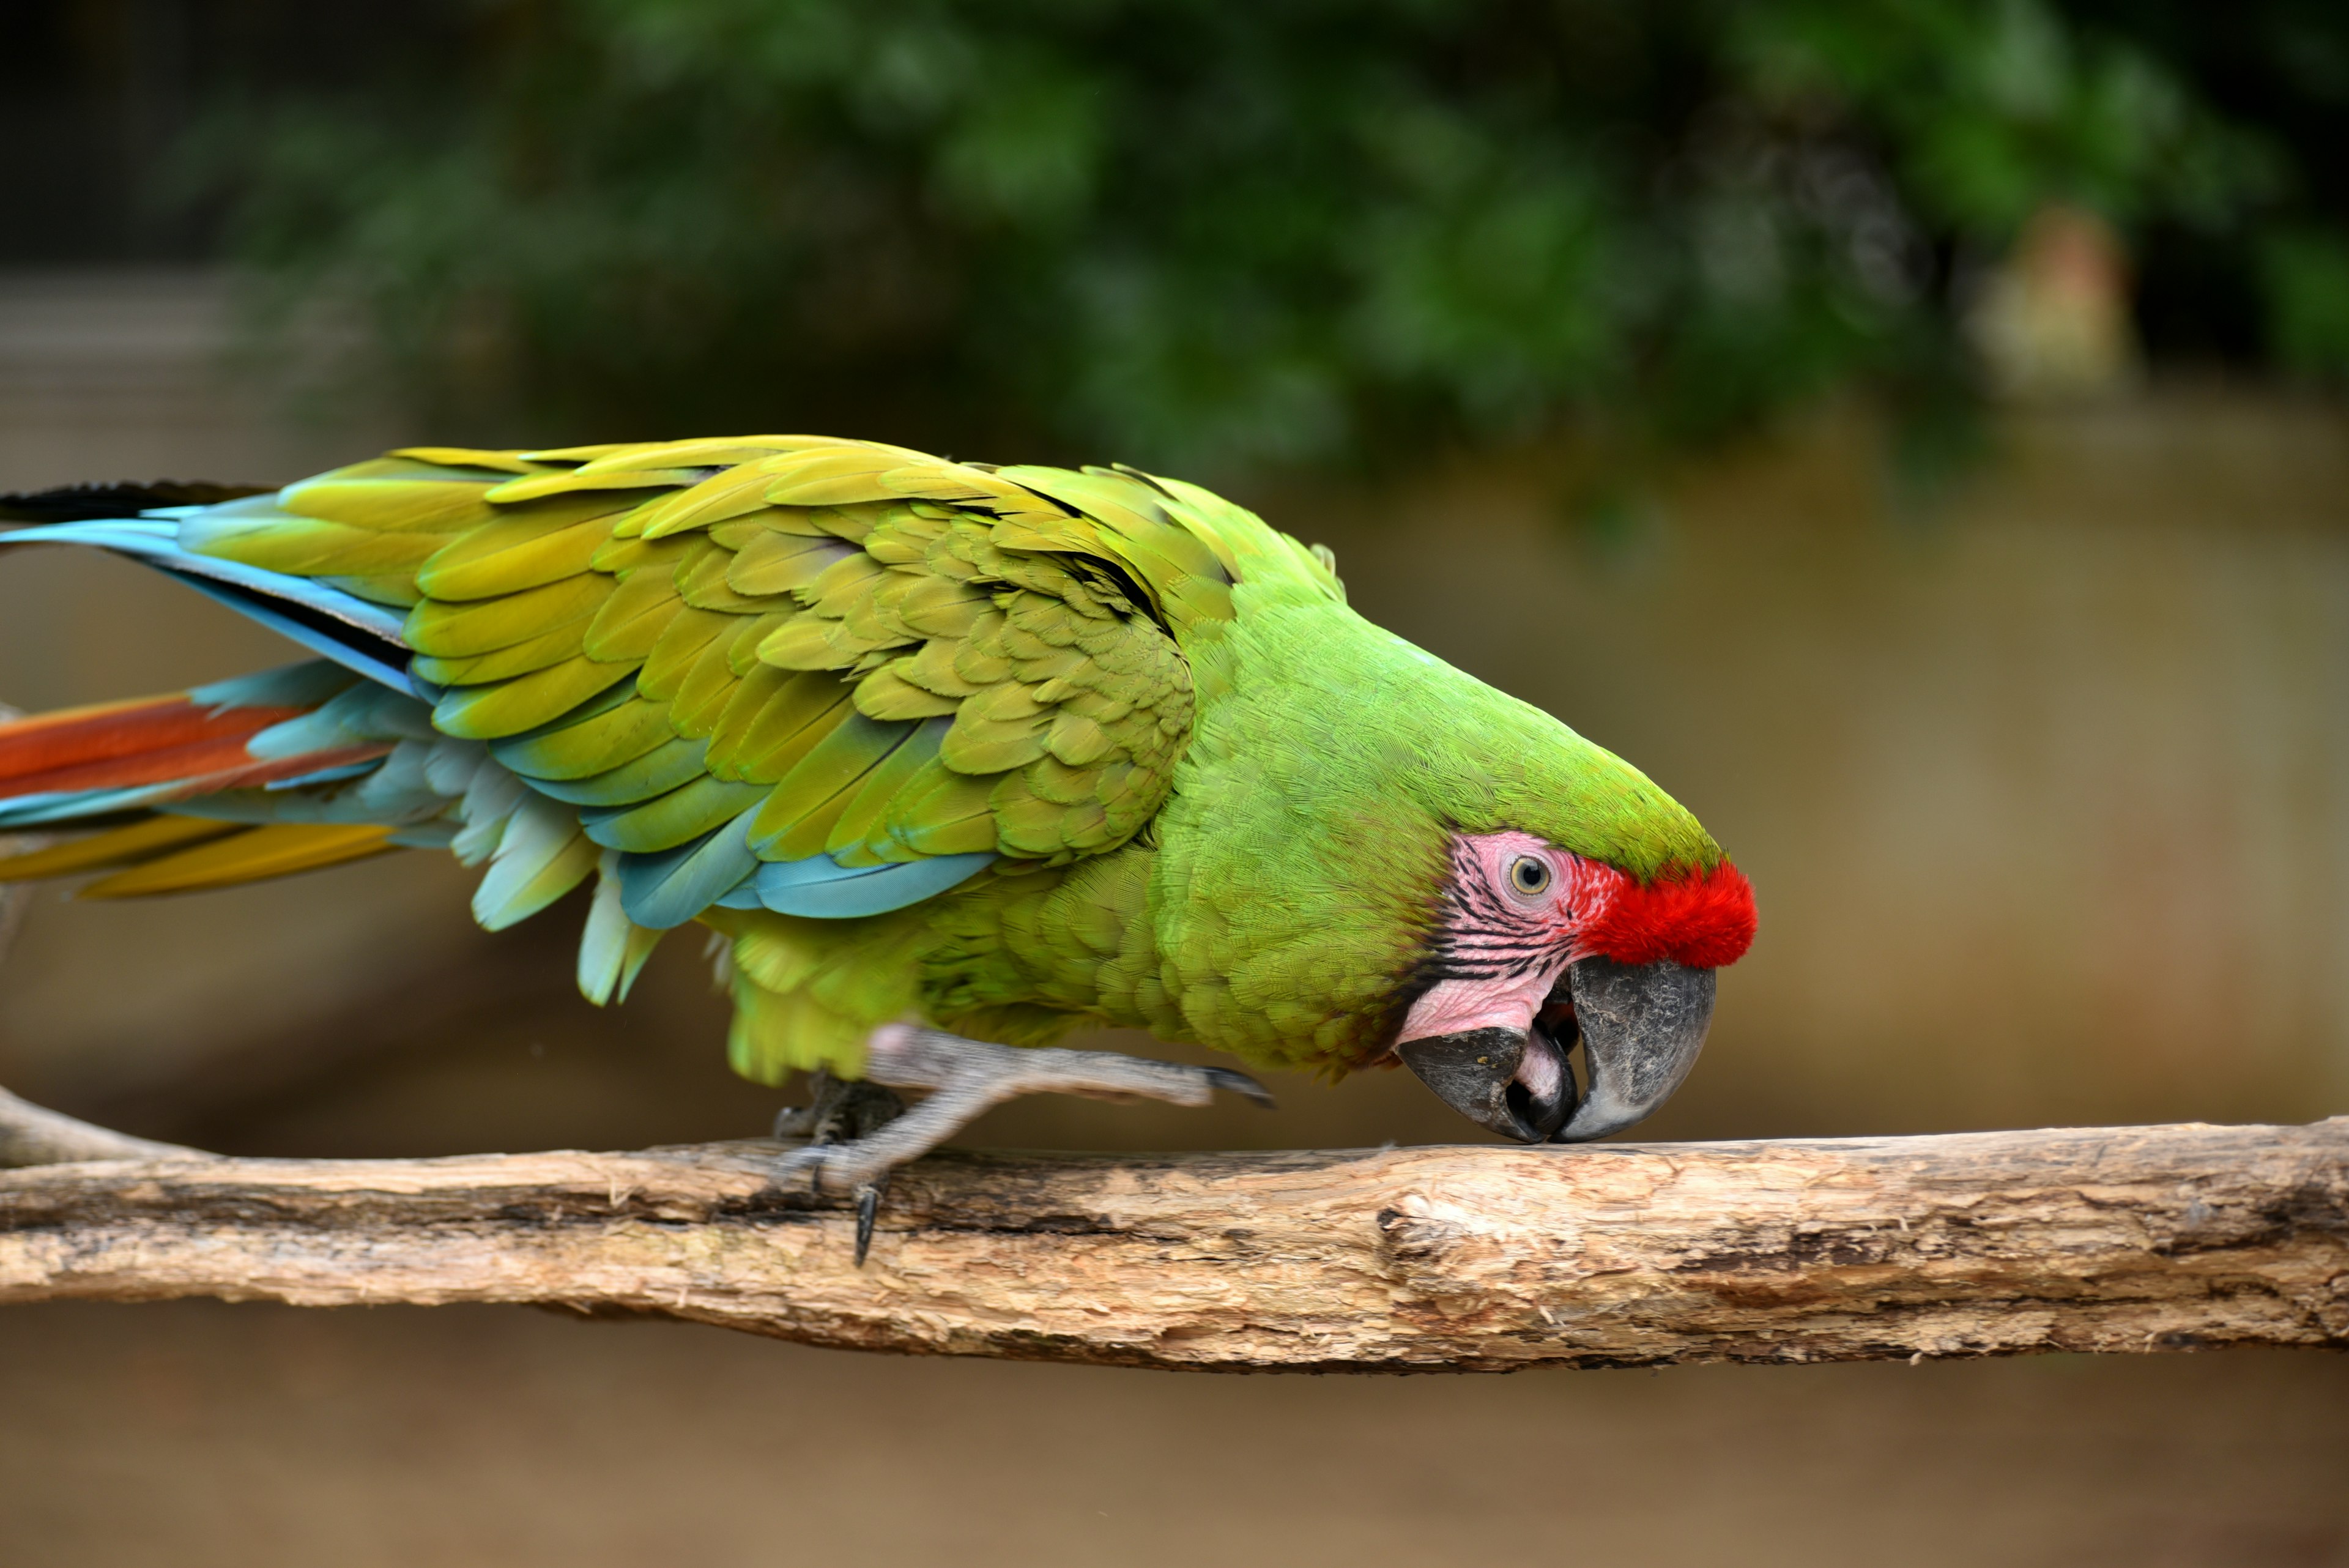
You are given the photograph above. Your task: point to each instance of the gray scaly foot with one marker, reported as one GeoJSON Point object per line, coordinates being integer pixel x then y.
{"type": "Point", "coordinates": [966, 1077]}
{"type": "Point", "coordinates": [841, 1112]}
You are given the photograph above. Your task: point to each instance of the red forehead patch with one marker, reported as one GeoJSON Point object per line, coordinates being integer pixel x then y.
{"type": "Point", "coordinates": [1702, 919]}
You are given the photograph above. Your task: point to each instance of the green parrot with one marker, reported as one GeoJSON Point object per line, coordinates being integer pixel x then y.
{"type": "Point", "coordinates": [952, 757]}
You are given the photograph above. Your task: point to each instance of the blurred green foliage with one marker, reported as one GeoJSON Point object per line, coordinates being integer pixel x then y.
{"type": "Point", "coordinates": [1197, 235]}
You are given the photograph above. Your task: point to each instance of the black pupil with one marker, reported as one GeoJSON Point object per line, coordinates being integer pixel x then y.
{"type": "Point", "coordinates": [1531, 874]}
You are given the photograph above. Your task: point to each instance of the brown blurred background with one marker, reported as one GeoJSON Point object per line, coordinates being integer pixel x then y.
{"type": "Point", "coordinates": [2041, 772]}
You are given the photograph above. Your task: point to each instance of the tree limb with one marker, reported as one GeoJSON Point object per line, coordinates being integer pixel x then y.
{"type": "Point", "coordinates": [2127, 1238]}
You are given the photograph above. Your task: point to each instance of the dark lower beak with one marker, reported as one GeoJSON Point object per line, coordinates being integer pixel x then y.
{"type": "Point", "coordinates": [1641, 1026]}
{"type": "Point", "coordinates": [1513, 1084]}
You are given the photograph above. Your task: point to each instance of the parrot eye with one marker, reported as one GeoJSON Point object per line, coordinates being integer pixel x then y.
{"type": "Point", "coordinates": [1529, 875]}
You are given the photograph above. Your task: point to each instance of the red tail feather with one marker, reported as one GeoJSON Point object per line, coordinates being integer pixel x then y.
{"type": "Point", "coordinates": [159, 740]}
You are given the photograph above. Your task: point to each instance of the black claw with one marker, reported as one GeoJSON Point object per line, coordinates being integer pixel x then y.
{"type": "Point", "coordinates": [1241, 1084]}
{"type": "Point", "coordinates": [868, 1209]}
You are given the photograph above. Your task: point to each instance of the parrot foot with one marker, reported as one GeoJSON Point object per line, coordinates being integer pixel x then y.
{"type": "Point", "coordinates": [966, 1077]}
{"type": "Point", "coordinates": [845, 1112]}
{"type": "Point", "coordinates": [840, 1111]}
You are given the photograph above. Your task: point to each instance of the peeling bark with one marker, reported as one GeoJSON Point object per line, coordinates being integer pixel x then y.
{"type": "Point", "coordinates": [1441, 1259]}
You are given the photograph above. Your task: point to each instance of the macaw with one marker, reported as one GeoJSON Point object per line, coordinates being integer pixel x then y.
{"type": "Point", "coordinates": [950, 756]}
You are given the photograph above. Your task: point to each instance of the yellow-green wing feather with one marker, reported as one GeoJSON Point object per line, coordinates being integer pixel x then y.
{"type": "Point", "coordinates": [863, 651]}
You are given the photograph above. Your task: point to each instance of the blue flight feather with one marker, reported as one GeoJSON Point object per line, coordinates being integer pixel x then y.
{"type": "Point", "coordinates": [259, 609]}
{"type": "Point", "coordinates": [358, 716]}
{"type": "Point", "coordinates": [659, 891]}
{"type": "Point", "coordinates": [822, 889]}
{"type": "Point", "coordinates": [64, 805]}
{"type": "Point", "coordinates": [325, 776]}
{"type": "Point", "coordinates": [249, 590]}
{"type": "Point", "coordinates": [157, 540]}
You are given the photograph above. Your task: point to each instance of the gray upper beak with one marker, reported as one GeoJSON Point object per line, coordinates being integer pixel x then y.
{"type": "Point", "coordinates": [1641, 1026]}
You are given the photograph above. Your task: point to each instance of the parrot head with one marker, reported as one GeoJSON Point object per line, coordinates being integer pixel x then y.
{"type": "Point", "coordinates": [1536, 947]}
{"type": "Point", "coordinates": [1556, 896]}
{"type": "Point", "coordinates": [1374, 850]}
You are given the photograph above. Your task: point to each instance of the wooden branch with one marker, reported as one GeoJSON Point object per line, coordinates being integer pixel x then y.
{"type": "Point", "coordinates": [1458, 1259]}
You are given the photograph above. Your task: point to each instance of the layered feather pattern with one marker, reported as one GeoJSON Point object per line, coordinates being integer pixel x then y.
{"type": "Point", "coordinates": [777, 651]}
{"type": "Point", "coordinates": [822, 678]}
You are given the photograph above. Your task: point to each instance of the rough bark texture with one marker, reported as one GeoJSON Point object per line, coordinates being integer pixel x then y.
{"type": "Point", "coordinates": [2128, 1239]}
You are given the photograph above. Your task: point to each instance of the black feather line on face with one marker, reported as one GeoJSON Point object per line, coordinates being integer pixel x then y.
{"type": "Point", "coordinates": [1510, 940]}
{"type": "Point", "coordinates": [1483, 935]}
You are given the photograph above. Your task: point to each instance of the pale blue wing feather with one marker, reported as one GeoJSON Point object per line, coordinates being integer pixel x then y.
{"type": "Point", "coordinates": [659, 891]}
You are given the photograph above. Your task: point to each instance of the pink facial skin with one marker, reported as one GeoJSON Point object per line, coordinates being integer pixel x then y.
{"type": "Point", "coordinates": [1527, 939]}
{"type": "Point", "coordinates": [1457, 1006]}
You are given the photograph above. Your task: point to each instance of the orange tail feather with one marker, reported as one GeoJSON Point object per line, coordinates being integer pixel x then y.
{"type": "Point", "coordinates": [151, 741]}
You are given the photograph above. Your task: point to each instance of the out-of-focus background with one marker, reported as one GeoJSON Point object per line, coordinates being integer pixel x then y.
{"type": "Point", "coordinates": [1908, 430]}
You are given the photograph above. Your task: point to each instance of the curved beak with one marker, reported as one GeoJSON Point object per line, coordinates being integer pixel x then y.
{"type": "Point", "coordinates": [1641, 1026]}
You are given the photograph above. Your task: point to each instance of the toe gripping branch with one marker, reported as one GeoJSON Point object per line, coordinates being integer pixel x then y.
{"type": "Point", "coordinates": [859, 1132]}
{"type": "Point", "coordinates": [843, 1112]}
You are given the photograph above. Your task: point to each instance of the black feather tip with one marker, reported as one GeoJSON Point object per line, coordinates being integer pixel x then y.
{"type": "Point", "coordinates": [84, 503]}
